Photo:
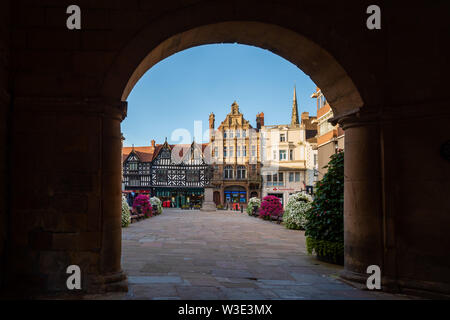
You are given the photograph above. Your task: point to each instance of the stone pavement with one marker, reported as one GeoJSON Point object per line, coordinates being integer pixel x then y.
{"type": "Point", "coordinates": [191, 254]}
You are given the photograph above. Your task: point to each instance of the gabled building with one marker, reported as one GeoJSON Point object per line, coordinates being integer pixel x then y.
{"type": "Point", "coordinates": [235, 147]}
{"type": "Point", "coordinates": [288, 155]}
{"type": "Point", "coordinates": [171, 172]}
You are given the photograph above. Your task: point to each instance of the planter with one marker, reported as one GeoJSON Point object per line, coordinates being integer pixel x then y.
{"type": "Point", "coordinates": [327, 251]}
{"type": "Point", "coordinates": [339, 260]}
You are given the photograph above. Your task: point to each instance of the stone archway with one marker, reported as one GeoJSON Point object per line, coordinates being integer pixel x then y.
{"type": "Point", "coordinates": [140, 55]}
{"type": "Point", "coordinates": [63, 95]}
{"type": "Point", "coordinates": [315, 61]}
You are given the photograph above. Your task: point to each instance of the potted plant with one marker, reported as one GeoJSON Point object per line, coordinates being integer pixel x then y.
{"type": "Point", "coordinates": [126, 217]}
{"type": "Point", "coordinates": [219, 207]}
{"type": "Point", "coordinates": [143, 203]}
{"type": "Point", "coordinates": [325, 221]}
{"type": "Point", "coordinates": [270, 207]}
{"type": "Point", "coordinates": [298, 205]}
{"type": "Point", "coordinates": [156, 205]}
{"type": "Point", "coordinates": [253, 206]}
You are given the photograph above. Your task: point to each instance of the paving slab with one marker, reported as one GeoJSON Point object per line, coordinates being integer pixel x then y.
{"type": "Point", "coordinates": [192, 254]}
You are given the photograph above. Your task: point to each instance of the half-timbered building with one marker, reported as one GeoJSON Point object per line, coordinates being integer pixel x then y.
{"type": "Point", "coordinates": [171, 172]}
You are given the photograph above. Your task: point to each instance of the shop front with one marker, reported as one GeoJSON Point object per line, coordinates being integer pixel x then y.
{"type": "Point", "coordinates": [179, 197]}
{"type": "Point", "coordinates": [235, 194]}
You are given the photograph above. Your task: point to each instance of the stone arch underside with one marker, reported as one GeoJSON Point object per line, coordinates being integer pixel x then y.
{"type": "Point", "coordinates": [140, 55]}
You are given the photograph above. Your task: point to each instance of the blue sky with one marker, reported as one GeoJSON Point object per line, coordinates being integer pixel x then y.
{"type": "Point", "coordinates": [190, 84]}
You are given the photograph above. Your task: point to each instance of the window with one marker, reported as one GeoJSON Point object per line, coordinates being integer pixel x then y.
{"type": "Point", "coordinates": [282, 155]}
{"type": "Point", "coordinates": [282, 137]}
{"type": "Point", "coordinates": [225, 134]}
{"type": "Point", "coordinates": [228, 172]}
{"type": "Point", "coordinates": [280, 179]}
{"type": "Point", "coordinates": [244, 151]}
{"type": "Point", "coordinates": [291, 154]}
{"type": "Point", "coordinates": [322, 101]}
{"type": "Point", "coordinates": [241, 172]}
{"type": "Point", "coordinates": [297, 177]}
{"type": "Point", "coordinates": [231, 152]}
{"type": "Point", "coordinates": [216, 151]}
{"type": "Point", "coordinates": [225, 152]}
{"type": "Point", "coordinates": [133, 166]}
{"type": "Point", "coordinates": [238, 133]}
{"type": "Point", "coordinates": [269, 179]}
{"type": "Point", "coordinates": [230, 134]}
{"type": "Point", "coordinates": [253, 151]}
{"type": "Point", "coordinates": [275, 179]}
{"type": "Point", "coordinates": [244, 133]}
{"type": "Point", "coordinates": [274, 154]}
{"type": "Point", "coordinates": [238, 151]}
{"type": "Point", "coordinates": [291, 177]}
{"type": "Point", "coordinates": [315, 160]}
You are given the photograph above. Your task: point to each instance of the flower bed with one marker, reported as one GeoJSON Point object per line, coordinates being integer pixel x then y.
{"type": "Point", "coordinates": [296, 209]}
{"type": "Point", "coordinates": [142, 203]}
{"type": "Point", "coordinates": [270, 207]}
{"type": "Point", "coordinates": [126, 217]}
{"type": "Point", "coordinates": [156, 203]}
{"type": "Point", "coordinates": [253, 205]}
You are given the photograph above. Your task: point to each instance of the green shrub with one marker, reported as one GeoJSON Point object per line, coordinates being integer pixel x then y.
{"type": "Point", "coordinates": [296, 209]}
{"type": "Point", "coordinates": [332, 250]}
{"type": "Point", "coordinates": [126, 218]}
{"type": "Point", "coordinates": [253, 202]}
{"type": "Point", "coordinates": [325, 221]}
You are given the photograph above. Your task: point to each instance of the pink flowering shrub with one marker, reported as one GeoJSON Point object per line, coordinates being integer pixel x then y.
{"type": "Point", "coordinates": [143, 201]}
{"type": "Point", "coordinates": [270, 206]}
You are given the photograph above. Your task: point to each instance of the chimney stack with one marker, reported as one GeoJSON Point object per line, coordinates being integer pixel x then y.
{"type": "Point", "coordinates": [259, 120]}
{"type": "Point", "coordinates": [153, 143]}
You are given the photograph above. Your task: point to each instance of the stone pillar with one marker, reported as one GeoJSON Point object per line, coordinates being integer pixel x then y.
{"type": "Point", "coordinates": [65, 204]}
{"type": "Point", "coordinates": [208, 203]}
{"type": "Point", "coordinates": [363, 214]}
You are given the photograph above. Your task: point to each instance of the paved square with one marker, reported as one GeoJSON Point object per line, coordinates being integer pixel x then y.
{"type": "Point", "coordinates": [191, 254]}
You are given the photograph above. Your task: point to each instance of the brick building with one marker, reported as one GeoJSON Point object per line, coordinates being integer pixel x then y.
{"type": "Point", "coordinates": [330, 138]}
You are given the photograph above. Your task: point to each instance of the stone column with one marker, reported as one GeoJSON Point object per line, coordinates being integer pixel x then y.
{"type": "Point", "coordinates": [208, 203]}
{"type": "Point", "coordinates": [65, 195]}
{"type": "Point", "coordinates": [363, 214]}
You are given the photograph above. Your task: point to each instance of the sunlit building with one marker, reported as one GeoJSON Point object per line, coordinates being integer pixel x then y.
{"type": "Point", "coordinates": [330, 138]}
{"type": "Point", "coordinates": [235, 148]}
{"type": "Point", "coordinates": [288, 155]}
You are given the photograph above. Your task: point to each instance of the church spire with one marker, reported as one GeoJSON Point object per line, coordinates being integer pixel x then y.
{"type": "Point", "coordinates": [294, 117]}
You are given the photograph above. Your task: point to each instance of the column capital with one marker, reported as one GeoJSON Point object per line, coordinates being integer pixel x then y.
{"type": "Point", "coordinates": [356, 118]}
{"type": "Point", "coordinates": [95, 105]}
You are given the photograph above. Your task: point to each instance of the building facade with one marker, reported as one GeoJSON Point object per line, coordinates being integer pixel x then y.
{"type": "Point", "coordinates": [177, 173]}
{"type": "Point", "coordinates": [235, 147]}
{"type": "Point", "coordinates": [288, 156]}
{"type": "Point", "coordinates": [330, 138]}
